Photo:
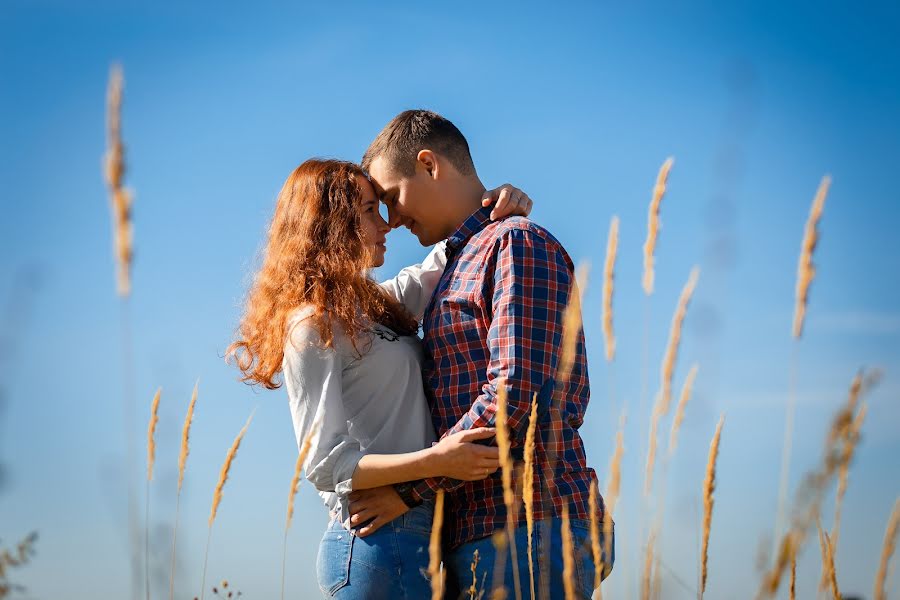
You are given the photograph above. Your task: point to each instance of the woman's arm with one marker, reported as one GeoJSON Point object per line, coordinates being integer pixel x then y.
{"type": "Point", "coordinates": [455, 456]}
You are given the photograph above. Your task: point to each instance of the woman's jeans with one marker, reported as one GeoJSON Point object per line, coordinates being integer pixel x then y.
{"type": "Point", "coordinates": [547, 560]}
{"type": "Point", "coordinates": [391, 563]}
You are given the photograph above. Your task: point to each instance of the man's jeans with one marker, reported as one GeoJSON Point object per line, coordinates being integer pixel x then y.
{"type": "Point", "coordinates": [548, 562]}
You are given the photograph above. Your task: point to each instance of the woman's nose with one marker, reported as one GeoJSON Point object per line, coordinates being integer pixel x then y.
{"type": "Point", "coordinates": [382, 224]}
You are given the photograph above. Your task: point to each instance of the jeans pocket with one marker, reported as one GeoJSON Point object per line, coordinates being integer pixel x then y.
{"type": "Point", "coordinates": [419, 518]}
{"type": "Point", "coordinates": [333, 562]}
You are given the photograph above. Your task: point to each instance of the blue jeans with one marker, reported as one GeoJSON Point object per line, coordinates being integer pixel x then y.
{"type": "Point", "coordinates": [391, 563]}
{"type": "Point", "coordinates": [547, 560]}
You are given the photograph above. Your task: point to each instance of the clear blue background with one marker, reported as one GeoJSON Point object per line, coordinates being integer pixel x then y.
{"type": "Point", "coordinates": [579, 104]}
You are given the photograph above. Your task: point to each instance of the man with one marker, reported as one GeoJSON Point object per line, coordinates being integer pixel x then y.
{"type": "Point", "coordinates": [497, 315]}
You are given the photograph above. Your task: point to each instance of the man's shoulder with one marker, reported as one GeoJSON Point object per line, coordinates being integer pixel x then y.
{"type": "Point", "coordinates": [517, 228]}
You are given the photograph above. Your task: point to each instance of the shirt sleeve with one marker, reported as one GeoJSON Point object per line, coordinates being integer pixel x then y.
{"type": "Point", "coordinates": [415, 284]}
{"type": "Point", "coordinates": [531, 287]}
{"type": "Point", "coordinates": [315, 394]}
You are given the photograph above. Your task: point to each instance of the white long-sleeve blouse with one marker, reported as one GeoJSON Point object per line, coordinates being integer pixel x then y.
{"type": "Point", "coordinates": [374, 403]}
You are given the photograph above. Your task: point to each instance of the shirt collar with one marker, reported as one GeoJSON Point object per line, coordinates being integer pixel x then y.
{"type": "Point", "coordinates": [475, 223]}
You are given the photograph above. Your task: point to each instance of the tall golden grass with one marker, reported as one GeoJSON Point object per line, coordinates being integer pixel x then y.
{"type": "Point", "coordinates": [572, 325]}
{"type": "Point", "coordinates": [887, 551]}
{"type": "Point", "coordinates": [805, 268]}
{"type": "Point", "coordinates": [568, 552]}
{"type": "Point", "coordinates": [151, 457]}
{"type": "Point", "coordinates": [504, 443]}
{"type": "Point", "coordinates": [679, 410]}
{"type": "Point", "coordinates": [114, 173]}
{"type": "Point", "coordinates": [182, 463]}
{"type": "Point", "coordinates": [659, 191]}
{"type": "Point", "coordinates": [828, 570]}
{"type": "Point", "coordinates": [434, 548]}
{"type": "Point", "coordinates": [528, 487]}
{"type": "Point", "coordinates": [609, 266]}
{"type": "Point", "coordinates": [709, 486]}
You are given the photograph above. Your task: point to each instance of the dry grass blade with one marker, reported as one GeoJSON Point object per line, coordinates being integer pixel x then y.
{"type": "Point", "coordinates": [653, 224]}
{"type": "Point", "coordinates": [114, 173]}
{"type": "Point", "coordinates": [434, 548]}
{"type": "Point", "coordinates": [528, 486]}
{"type": "Point", "coordinates": [792, 590]}
{"type": "Point", "coordinates": [840, 444]}
{"type": "Point", "coordinates": [151, 434]}
{"type": "Point", "coordinates": [709, 486]}
{"type": "Point", "coordinates": [572, 325]}
{"type": "Point", "coordinates": [613, 486]}
{"type": "Point", "coordinates": [805, 268]}
{"type": "Point", "coordinates": [679, 410]}
{"type": "Point", "coordinates": [843, 478]}
{"type": "Point", "coordinates": [226, 468]}
{"type": "Point", "coordinates": [473, 589]}
{"type": "Point", "coordinates": [596, 549]}
{"type": "Point", "coordinates": [828, 561]}
{"type": "Point", "coordinates": [647, 577]}
{"type": "Point", "coordinates": [887, 551]}
{"type": "Point", "coordinates": [182, 462]}
{"type": "Point", "coordinates": [504, 443]}
{"type": "Point", "coordinates": [568, 555]}
{"type": "Point", "coordinates": [609, 266]}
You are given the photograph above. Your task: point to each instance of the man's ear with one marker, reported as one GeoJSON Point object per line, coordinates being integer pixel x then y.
{"type": "Point", "coordinates": [427, 160]}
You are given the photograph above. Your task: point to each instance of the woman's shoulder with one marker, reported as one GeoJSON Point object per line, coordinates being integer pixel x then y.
{"type": "Point", "coordinates": [304, 329]}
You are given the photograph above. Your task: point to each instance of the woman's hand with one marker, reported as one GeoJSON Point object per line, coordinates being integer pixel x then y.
{"type": "Point", "coordinates": [509, 200]}
{"type": "Point", "coordinates": [457, 457]}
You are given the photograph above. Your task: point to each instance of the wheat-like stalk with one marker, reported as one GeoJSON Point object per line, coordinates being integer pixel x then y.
{"type": "Point", "coordinates": [434, 548]}
{"type": "Point", "coordinates": [792, 590]}
{"type": "Point", "coordinates": [572, 324]}
{"type": "Point", "coordinates": [887, 551]}
{"type": "Point", "coordinates": [182, 462]}
{"type": "Point", "coordinates": [473, 589]}
{"type": "Point", "coordinates": [827, 560]}
{"type": "Point", "coordinates": [679, 410]}
{"type": "Point", "coordinates": [805, 268]}
{"type": "Point", "coordinates": [220, 485]}
{"type": "Point", "coordinates": [609, 266]}
{"type": "Point", "coordinates": [667, 370]}
{"type": "Point", "coordinates": [596, 550]}
{"type": "Point", "coordinates": [647, 577]}
{"type": "Point", "coordinates": [114, 174]}
{"type": "Point", "coordinates": [504, 443]}
{"type": "Point", "coordinates": [653, 224]}
{"type": "Point", "coordinates": [568, 555]}
{"type": "Point", "coordinates": [295, 485]}
{"type": "Point", "coordinates": [840, 443]}
{"type": "Point", "coordinates": [528, 486]}
{"type": "Point", "coordinates": [709, 486]}
{"type": "Point", "coordinates": [151, 458]}
{"type": "Point", "coordinates": [613, 486]}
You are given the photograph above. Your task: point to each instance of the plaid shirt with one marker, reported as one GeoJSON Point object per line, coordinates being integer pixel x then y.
{"type": "Point", "coordinates": [497, 312]}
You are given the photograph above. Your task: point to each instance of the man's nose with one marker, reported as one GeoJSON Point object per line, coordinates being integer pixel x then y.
{"type": "Point", "coordinates": [394, 218]}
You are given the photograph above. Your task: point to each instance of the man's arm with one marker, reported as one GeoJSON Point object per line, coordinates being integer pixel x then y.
{"type": "Point", "coordinates": [531, 288]}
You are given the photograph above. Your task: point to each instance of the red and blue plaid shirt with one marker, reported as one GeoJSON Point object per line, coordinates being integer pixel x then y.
{"type": "Point", "coordinates": [497, 313]}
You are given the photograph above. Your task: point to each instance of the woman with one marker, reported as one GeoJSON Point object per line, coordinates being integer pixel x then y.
{"type": "Point", "coordinates": [352, 367]}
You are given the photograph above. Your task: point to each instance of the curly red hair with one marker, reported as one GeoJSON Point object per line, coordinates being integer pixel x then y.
{"type": "Point", "coordinates": [315, 256]}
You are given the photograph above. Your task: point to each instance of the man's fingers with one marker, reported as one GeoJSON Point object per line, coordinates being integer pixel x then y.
{"type": "Point", "coordinates": [371, 527]}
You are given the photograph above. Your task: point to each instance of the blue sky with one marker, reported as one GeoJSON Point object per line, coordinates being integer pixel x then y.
{"type": "Point", "coordinates": [579, 105]}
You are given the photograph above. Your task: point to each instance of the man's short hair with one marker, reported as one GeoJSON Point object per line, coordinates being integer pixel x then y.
{"type": "Point", "coordinates": [414, 130]}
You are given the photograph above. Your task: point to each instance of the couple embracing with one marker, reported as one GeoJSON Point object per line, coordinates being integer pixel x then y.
{"type": "Point", "coordinates": [400, 417]}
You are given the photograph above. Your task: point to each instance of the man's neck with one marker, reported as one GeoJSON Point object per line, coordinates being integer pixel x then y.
{"type": "Point", "coordinates": [466, 200]}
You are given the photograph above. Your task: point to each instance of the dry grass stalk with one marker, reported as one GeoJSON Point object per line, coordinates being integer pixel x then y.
{"type": "Point", "coordinates": [114, 173]}
{"type": "Point", "coordinates": [473, 589]}
{"type": "Point", "coordinates": [434, 548]}
{"type": "Point", "coordinates": [528, 486]}
{"type": "Point", "coordinates": [596, 550]}
{"type": "Point", "coordinates": [572, 325]}
{"type": "Point", "coordinates": [504, 444]}
{"type": "Point", "coordinates": [568, 556]}
{"type": "Point", "coordinates": [220, 485]}
{"type": "Point", "coordinates": [667, 370]}
{"type": "Point", "coordinates": [679, 410]}
{"type": "Point", "coordinates": [792, 590]}
{"type": "Point", "coordinates": [498, 589]}
{"type": "Point", "coordinates": [653, 224]}
{"type": "Point", "coordinates": [805, 269]}
{"type": "Point", "coordinates": [295, 485]}
{"type": "Point", "coordinates": [151, 458]}
{"type": "Point", "coordinates": [609, 266]}
{"type": "Point", "coordinates": [827, 561]}
{"type": "Point", "coordinates": [709, 486]}
{"type": "Point", "coordinates": [613, 486]}
{"type": "Point", "coordinates": [887, 551]}
{"type": "Point", "coordinates": [840, 443]}
{"type": "Point", "coordinates": [647, 577]}
{"type": "Point", "coordinates": [182, 461]}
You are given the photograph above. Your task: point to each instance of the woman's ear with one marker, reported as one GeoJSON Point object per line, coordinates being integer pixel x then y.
{"type": "Point", "coordinates": [427, 160]}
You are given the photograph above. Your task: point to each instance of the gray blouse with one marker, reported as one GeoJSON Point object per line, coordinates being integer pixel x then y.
{"type": "Point", "coordinates": [374, 403]}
